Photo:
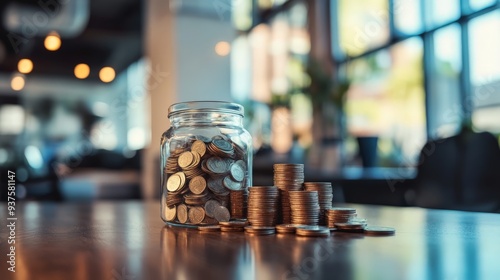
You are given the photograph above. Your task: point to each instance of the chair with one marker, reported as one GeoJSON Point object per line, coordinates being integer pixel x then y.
{"type": "Point", "coordinates": [460, 172]}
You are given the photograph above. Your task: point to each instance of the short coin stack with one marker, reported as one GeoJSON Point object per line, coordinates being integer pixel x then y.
{"type": "Point", "coordinates": [313, 231]}
{"type": "Point", "coordinates": [305, 207]}
{"type": "Point", "coordinates": [325, 196]}
{"type": "Point", "coordinates": [287, 177]}
{"type": "Point", "coordinates": [339, 215]}
{"type": "Point", "coordinates": [233, 226]}
{"type": "Point", "coordinates": [262, 206]}
{"type": "Point", "coordinates": [200, 175]}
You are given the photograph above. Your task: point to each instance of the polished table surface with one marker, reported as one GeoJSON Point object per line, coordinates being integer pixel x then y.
{"type": "Point", "coordinates": [128, 240]}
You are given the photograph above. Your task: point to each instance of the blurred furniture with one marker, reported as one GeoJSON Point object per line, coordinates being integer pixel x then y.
{"type": "Point", "coordinates": [460, 172]}
{"type": "Point", "coordinates": [93, 184]}
{"type": "Point", "coordinates": [128, 240]}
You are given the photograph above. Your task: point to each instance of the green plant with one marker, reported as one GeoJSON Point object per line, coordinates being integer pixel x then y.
{"type": "Point", "coordinates": [324, 89]}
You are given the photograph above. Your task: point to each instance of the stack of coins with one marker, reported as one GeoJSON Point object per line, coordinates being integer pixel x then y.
{"type": "Point", "coordinates": [238, 204]}
{"type": "Point", "coordinates": [256, 230]}
{"type": "Point", "coordinates": [287, 177]}
{"type": "Point", "coordinates": [286, 228]}
{"type": "Point", "coordinates": [232, 226]}
{"type": "Point", "coordinates": [262, 206]}
{"type": "Point", "coordinates": [339, 215]}
{"type": "Point", "coordinates": [313, 231]}
{"type": "Point", "coordinates": [199, 176]}
{"type": "Point", "coordinates": [305, 207]}
{"type": "Point", "coordinates": [325, 196]}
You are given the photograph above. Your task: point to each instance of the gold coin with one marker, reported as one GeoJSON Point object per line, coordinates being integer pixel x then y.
{"type": "Point", "coordinates": [197, 185]}
{"type": "Point", "coordinates": [174, 183]}
{"type": "Point", "coordinates": [196, 215]}
{"type": "Point", "coordinates": [182, 214]}
{"type": "Point", "coordinates": [170, 213]}
{"type": "Point", "coordinates": [185, 159]}
{"type": "Point", "coordinates": [199, 147]}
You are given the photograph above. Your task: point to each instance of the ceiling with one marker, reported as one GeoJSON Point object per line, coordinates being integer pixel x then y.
{"type": "Point", "coordinates": [111, 37]}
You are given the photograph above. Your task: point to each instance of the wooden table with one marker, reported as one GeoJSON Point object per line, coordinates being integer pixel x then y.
{"type": "Point", "coordinates": [127, 240]}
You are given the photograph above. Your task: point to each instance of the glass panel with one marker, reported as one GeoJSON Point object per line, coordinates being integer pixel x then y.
{"type": "Point", "coordinates": [363, 25]}
{"type": "Point", "coordinates": [241, 69]}
{"type": "Point", "coordinates": [484, 43]}
{"type": "Point", "coordinates": [407, 16]}
{"type": "Point", "coordinates": [242, 14]}
{"type": "Point", "coordinates": [441, 12]}
{"type": "Point", "coordinates": [267, 4]}
{"type": "Point", "coordinates": [479, 4]}
{"type": "Point", "coordinates": [444, 102]}
{"type": "Point", "coordinates": [386, 100]}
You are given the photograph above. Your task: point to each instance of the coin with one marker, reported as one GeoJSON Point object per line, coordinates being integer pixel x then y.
{"type": "Point", "coordinates": [230, 184]}
{"type": "Point", "coordinates": [199, 147]}
{"type": "Point", "coordinates": [185, 159]}
{"type": "Point", "coordinates": [209, 228]}
{"type": "Point", "coordinates": [175, 182]}
{"type": "Point", "coordinates": [216, 185]}
{"type": "Point", "coordinates": [170, 213]}
{"type": "Point", "coordinates": [286, 228]}
{"type": "Point", "coordinates": [217, 165]}
{"type": "Point", "coordinates": [182, 214]}
{"type": "Point", "coordinates": [197, 185]}
{"type": "Point", "coordinates": [221, 214]}
{"type": "Point", "coordinates": [379, 231]}
{"type": "Point", "coordinates": [196, 215]}
{"type": "Point", "coordinates": [237, 172]}
{"type": "Point", "coordinates": [350, 226]}
{"type": "Point", "coordinates": [260, 230]}
{"type": "Point", "coordinates": [210, 207]}
{"type": "Point", "coordinates": [313, 231]}
{"type": "Point", "coordinates": [223, 144]}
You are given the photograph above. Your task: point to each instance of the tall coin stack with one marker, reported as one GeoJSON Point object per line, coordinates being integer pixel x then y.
{"type": "Point", "coordinates": [262, 206]}
{"type": "Point", "coordinates": [305, 207]}
{"type": "Point", "coordinates": [287, 177]}
{"type": "Point", "coordinates": [325, 196]}
{"type": "Point", "coordinates": [339, 215]}
{"type": "Point", "coordinates": [238, 204]}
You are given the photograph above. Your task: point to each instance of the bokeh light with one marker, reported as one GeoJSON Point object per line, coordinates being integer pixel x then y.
{"type": "Point", "coordinates": [222, 48]}
{"type": "Point", "coordinates": [107, 74]}
{"type": "Point", "coordinates": [82, 71]}
{"type": "Point", "coordinates": [25, 66]}
{"type": "Point", "coordinates": [52, 41]}
{"type": "Point", "coordinates": [17, 83]}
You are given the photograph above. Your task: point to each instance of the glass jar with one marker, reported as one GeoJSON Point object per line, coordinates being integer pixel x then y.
{"type": "Point", "coordinates": [206, 161]}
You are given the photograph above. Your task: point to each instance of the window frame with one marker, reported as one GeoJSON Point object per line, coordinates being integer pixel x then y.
{"type": "Point", "coordinates": [426, 35]}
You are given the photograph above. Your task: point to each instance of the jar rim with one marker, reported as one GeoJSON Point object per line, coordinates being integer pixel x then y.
{"type": "Point", "coordinates": [206, 106]}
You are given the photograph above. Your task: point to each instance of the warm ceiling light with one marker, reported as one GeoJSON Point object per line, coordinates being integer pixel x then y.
{"type": "Point", "coordinates": [17, 83]}
{"type": "Point", "coordinates": [107, 74]}
{"type": "Point", "coordinates": [82, 71]}
{"type": "Point", "coordinates": [222, 48]}
{"type": "Point", "coordinates": [25, 66]}
{"type": "Point", "coordinates": [52, 41]}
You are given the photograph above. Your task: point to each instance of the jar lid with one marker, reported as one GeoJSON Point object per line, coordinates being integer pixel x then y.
{"type": "Point", "coordinates": [206, 106]}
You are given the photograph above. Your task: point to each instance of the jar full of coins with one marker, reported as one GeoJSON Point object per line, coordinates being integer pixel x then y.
{"type": "Point", "coordinates": [206, 161]}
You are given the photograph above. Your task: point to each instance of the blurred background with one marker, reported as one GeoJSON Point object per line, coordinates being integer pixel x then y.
{"type": "Point", "coordinates": [354, 89]}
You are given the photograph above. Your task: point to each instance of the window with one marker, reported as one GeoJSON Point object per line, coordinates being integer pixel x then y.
{"type": "Point", "coordinates": [363, 25]}
{"type": "Point", "coordinates": [417, 69]}
{"type": "Point", "coordinates": [484, 41]}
